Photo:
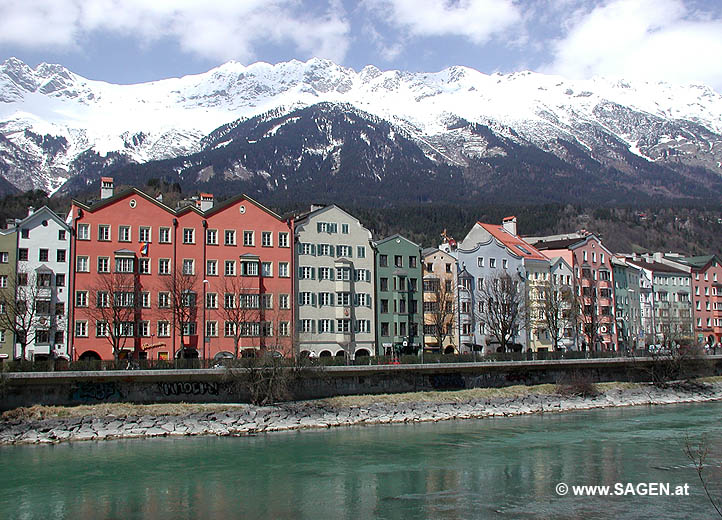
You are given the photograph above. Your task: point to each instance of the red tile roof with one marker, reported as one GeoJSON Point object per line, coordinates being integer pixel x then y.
{"type": "Point", "coordinates": [516, 244]}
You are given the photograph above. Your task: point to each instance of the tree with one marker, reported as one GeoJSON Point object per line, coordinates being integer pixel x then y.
{"type": "Point", "coordinates": [559, 307]}
{"type": "Point", "coordinates": [502, 308]}
{"type": "Point", "coordinates": [241, 309]}
{"type": "Point", "coordinates": [114, 309]}
{"type": "Point", "coordinates": [698, 455]}
{"type": "Point", "coordinates": [439, 299]}
{"type": "Point", "coordinates": [180, 287]}
{"type": "Point", "coordinates": [24, 311]}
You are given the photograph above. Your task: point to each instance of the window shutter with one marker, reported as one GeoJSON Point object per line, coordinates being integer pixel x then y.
{"type": "Point", "coordinates": [300, 298]}
{"type": "Point", "coordinates": [313, 273]}
{"type": "Point", "coordinates": [355, 300]}
{"type": "Point", "coordinates": [338, 250]}
{"type": "Point", "coordinates": [313, 249]}
{"type": "Point", "coordinates": [332, 325]}
{"type": "Point", "coordinates": [313, 299]}
{"type": "Point", "coordinates": [330, 298]}
{"type": "Point", "coordinates": [331, 273]}
{"type": "Point", "coordinates": [368, 300]}
{"type": "Point", "coordinates": [313, 326]}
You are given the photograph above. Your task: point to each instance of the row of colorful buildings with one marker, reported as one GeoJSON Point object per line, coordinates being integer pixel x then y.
{"type": "Point", "coordinates": [127, 275]}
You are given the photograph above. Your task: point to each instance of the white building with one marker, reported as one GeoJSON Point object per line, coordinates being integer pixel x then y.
{"type": "Point", "coordinates": [43, 259]}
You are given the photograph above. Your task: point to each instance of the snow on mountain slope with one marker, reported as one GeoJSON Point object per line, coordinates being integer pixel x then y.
{"type": "Point", "coordinates": [42, 108]}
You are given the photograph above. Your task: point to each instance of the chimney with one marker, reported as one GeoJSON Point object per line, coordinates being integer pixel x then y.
{"type": "Point", "coordinates": [658, 256]}
{"type": "Point", "coordinates": [509, 224]}
{"type": "Point", "coordinates": [106, 187]}
{"type": "Point", "coordinates": [31, 210]}
{"type": "Point", "coordinates": [315, 207]}
{"type": "Point", "coordinates": [205, 201]}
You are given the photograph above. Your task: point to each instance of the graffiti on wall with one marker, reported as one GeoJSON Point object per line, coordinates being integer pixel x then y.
{"type": "Point", "coordinates": [96, 392]}
{"type": "Point", "coordinates": [189, 388]}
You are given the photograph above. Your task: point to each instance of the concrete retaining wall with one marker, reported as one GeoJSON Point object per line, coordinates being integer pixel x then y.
{"type": "Point", "coordinates": [222, 385]}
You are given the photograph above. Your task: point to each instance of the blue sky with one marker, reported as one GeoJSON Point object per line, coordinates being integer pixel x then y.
{"type": "Point", "coordinates": [130, 41]}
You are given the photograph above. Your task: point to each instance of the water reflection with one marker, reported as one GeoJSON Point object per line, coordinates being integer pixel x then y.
{"type": "Point", "coordinates": [466, 469]}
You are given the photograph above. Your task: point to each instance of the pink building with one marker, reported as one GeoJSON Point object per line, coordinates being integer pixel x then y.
{"type": "Point", "coordinates": [227, 266]}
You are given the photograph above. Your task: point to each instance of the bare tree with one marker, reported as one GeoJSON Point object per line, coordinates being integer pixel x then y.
{"type": "Point", "coordinates": [182, 298]}
{"type": "Point", "coordinates": [24, 311]}
{"type": "Point", "coordinates": [439, 299]}
{"type": "Point", "coordinates": [698, 455]}
{"type": "Point", "coordinates": [503, 308]}
{"type": "Point", "coordinates": [559, 307]}
{"type": "Point", "coordinates": [241, 309]}
{"type": "Point", "coordinates": [113, 307]}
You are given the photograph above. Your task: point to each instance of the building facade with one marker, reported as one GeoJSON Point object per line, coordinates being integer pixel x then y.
{"type": "Point", "coordinates": [399, 314]}
{"type": "Point", "coordinates": [203, 280]}
{"type": "Point", "coordinates": [628, 304]}
{"type": "Point", "coordinates": [334, 285]}
{"type": "Point", "coordinates": [440, 302]}
{"type": "Point", "coordinates": [8, 274]}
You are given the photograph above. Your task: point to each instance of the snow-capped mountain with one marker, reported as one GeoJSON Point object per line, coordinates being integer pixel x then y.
{"type": "Point", "coordinates": [55, 125]}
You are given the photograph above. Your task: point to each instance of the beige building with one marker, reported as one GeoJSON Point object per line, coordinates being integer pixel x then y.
{"type": "Point", "coordinates": [440, 302]}
{"type": "Point", "coordinates": [334, 280]}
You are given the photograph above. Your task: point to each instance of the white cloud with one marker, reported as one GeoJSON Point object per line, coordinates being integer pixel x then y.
{"type": "Point", "coordinates": [475, 20]}
{"type": "Point", "coordinates": [641, 39]}
{"type": "Point", "coordinates": [222, 29]}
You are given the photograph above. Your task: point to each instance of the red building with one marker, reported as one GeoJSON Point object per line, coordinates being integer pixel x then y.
{"type": "Point", "coordinates": [594, 282]}
{"type": "Point", "coordinates": [199, 281]}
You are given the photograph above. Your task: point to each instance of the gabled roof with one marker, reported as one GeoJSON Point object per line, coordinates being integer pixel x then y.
{"type": "Point", "coordinates": [514, 243]}
{"type": "Point", "coordinates": [39, 214]}
{"type": "Point", "coordinates": [563, 243]}
{"type": "Point", "coordinates": [696, 262]}
{"type": "Point", "coordinates": [394, 237]}
{"type": "Point", "coordinates": [656, 267]}
{"type": "Point", "coordinates": [99, 204]}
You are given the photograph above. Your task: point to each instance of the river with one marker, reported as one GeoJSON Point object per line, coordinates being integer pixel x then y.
{"type": "Point", "coordinates": [489, 468]}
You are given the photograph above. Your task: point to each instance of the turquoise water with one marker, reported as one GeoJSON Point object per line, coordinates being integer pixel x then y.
{"type": "Point", "coordinates": [491, 468]}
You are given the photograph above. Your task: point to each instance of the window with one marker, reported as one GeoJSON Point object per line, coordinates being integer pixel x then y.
{"type": "Point", "coordinates": [305, 298]}
{"type": "Point", "coordinates": [101, 328]}
{"type": "Point", "coordinates": [283, 239]}
{"type": "Point", "coordinates": [325, 250]}
{"type": "Point", "coordinates": [60, 280]}
{"type": "Point", "coordinates": [43, 255]}
{"type": "Point", "coordinates": [164, 266]}
{"type": "Point", "coordinates": [325, 299]}
{"type": "Point", "coordinates": [212, 237]}
{"type": "Point", "coordinates": [230, 268]}
{"type": "Point", "coordinates": [81, 264]}
{"type": "Point", "coordinates": [345, 251]}
{"type": "Point", "coordinates": [145, 300]}
{"type": "Point", "coordinates": [59, 337]}
{"type": "Point", "coordinates": [104, 232]}
{"type": "Point", "coordinates": [363, 300]}
{"type": "Point", "coordinates": [383, 260]}
{"type": "Point", "coordinates": [83, 231]}
{"type": "Point", "coordinates": [343, 325]}
{"type": "Point", "coordinates": [3, 281]}
{"type": "Point", "coordinates": [343, 299]}
{"type": "Point", "coordinates": [212, 267]}
{"type": "Point", "coordinates": [60, 255]}
{"type": "Point", "coordinates": [412, 262]}
{"type": "Point", "coordinates": [144, 234]}
{"type": "Point", "coordinates": [229, 237]}
{"type": "Point", "coordinates": [188, 299]}
{"type": "Point", "coordinates": [306, 249]}
{"type": "Point", "coordinates": [505, 264]}
{"type": "Point", "coordinates": [211, 329]}
{"type": "Point", "coordinates": [189, 236]}
{"type": "Point", "coordinates": [267, 301]}
{"type": "Point", "coordinates": [361, 251]}
{"type": "Point", "coordinates": [248, 238]}
{"type": "Point", "coordinates": [344, 229]}
{"type": "Point", "coordinates": [327, 227]}
{"type": "Point", "coordinates": [81, 298]}
{"type": "Point", "coordinates": [229, 329]}
{"type": "Point", "coordinates": [123, 233]}
{"type": "Point", "coordinates": [163, 300]}
{"type": "Point", "coordinates": [325, 326]}
{"type": "Point", "coordinates": [284, 328]}
{"type": "Point", "coordinates": [398, 261]}
{"type": "Point", "coordinates": [144, 265]}
{"type": "Point", "coordinates": [306, 273]}
{"type": "Point", "coordinates": [249, 268]}
{"type": "Point", "coordinates": [384, 328]}
{"type": "Point", "coordinates": [584, 254]}
{"type": "Point", "coordinates": [25, 233]}
{"type": "Point", "coordinates": [266, 269]}
{"type": "Point", "coordinates": [123, 299]}
{"type": "Point", "coordinates": [22, 255]}
{"type": "Point", "coordinates": [267, 239]}
{"type": "Point", "coordinates": [343, 273]}
{"type": "Point", "coordinates": [362, 275]}
{"type": "Point", "coordinates": [103, 264]}
{"type": "Point", "coordinates": [325, 273]}
{"type": "Point", "coordinates": [164, 238]}
{"type": "Point", "coordinates": [144, 329]}
{"type": "Point", "coordinates": [101, 299]}
{"type": "Point", "coordinates": [283, 269]}
{"type": "Point", "coordinates": [229, 301]}
{"type": "Point", "coordinates": [81, 328]}
{"type": "Point", "coordinates": [383, 284]}
{"type": "Point", "coordinates": [123, 265]}
{"type": "Point", "coordinates": [163, 329]}
{"type": "Point", "coordinates": [305, 325]}
{"type": "Point", "coordinates": [188, 266]}
{"type": "Point", "coordinates": [492, 263]}
{"type": "Point", "coordinates": [284, 301]}
{"type": "Point", "coordinates": [42, 307]}
{"type": "Point", "coordinates": [211, 301]}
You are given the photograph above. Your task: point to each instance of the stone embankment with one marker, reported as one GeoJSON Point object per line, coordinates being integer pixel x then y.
{"type": "Point", "coordinates": [238, 420]}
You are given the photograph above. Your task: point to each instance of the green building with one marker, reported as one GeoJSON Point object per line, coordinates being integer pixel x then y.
{"type": "Point", "coordinates": [399, 296]}
{"type": "Point", "coordinates": [627, 300]}
{"type": "Point", "coordinates": [8, 267]}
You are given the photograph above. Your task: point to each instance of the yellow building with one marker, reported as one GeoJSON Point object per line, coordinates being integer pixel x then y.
{"type": "Point", "coordinates": [440, 305]}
